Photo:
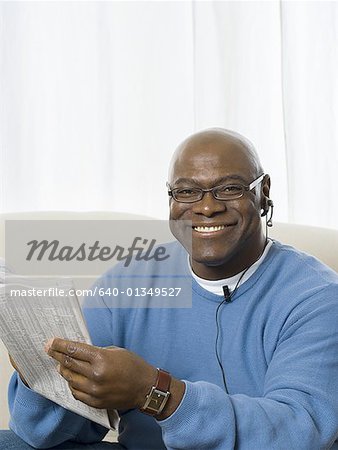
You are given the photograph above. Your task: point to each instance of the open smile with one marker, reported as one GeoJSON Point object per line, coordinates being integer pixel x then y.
{"type": "Point", "coordinates": [211, 229]}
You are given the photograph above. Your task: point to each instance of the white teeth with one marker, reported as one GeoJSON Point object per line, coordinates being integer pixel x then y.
{"type": "Point", "coordinates": [209, 229]}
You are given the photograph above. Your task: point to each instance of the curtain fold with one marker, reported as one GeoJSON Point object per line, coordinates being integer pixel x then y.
{"type": "Point", "coordinates": [310, 64]}
{"type": "Point", "coordinates": [95, 96]}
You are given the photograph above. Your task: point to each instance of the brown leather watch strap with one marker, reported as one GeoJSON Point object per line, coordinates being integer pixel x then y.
{"type": "Point", "coordinates": [163, 380]}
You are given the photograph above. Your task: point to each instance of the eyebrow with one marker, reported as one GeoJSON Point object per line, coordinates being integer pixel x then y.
{"type": "Point", "coordinates": [217, 181]}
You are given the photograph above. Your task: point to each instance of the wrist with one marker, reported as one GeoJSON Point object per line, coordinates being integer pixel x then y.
{"type": "Point", "coordinates": [149, 381]}
{"type": "Point", "coordinates": [177, 389]}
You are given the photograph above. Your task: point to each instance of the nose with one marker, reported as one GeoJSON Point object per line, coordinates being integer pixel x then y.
{"type": "Point", "coordinates": [209, 205]}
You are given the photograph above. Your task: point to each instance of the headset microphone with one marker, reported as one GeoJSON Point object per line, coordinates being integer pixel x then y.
{"type": "Point", "coordinates": [226, 293]}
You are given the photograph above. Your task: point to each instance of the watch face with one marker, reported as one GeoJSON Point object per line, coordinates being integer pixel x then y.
{"type": "Point", "coordinates": [156, 399]}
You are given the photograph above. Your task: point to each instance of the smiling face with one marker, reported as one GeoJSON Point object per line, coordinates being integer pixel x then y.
{"type": "Point", "coordinates": [226, 236]}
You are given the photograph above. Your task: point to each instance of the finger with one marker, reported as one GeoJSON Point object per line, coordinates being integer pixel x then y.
{"type": "Point", "coordinates": [77, 350]}
{"type": "Point", "coordinates": [75, 365]}
{"type": "Point", "coordinates": [75, 380]}
{"type": "Point", "coordinates": [86, 398]}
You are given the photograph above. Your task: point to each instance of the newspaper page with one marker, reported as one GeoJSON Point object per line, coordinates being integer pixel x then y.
{"type": "Point", "coordinates": [41, 311]}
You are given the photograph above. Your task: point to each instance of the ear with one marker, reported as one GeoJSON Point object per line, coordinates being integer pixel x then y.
{"type": "Point", "coordinates": [266, 184]}
{"type": "Point", "coordinates": [265, 200]}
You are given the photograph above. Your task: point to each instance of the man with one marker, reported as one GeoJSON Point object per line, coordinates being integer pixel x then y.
{"type": "Point", "coordinates": [253, 362]}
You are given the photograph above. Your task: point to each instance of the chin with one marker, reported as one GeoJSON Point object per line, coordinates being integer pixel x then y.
{"type": "Point", "coordinates": [209, 260]}
{"type": "Point", "coordinates": [213, 255]}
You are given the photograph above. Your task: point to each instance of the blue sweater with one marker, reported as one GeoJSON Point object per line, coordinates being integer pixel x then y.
{"type": "Point", "coordinates": [279, 350]}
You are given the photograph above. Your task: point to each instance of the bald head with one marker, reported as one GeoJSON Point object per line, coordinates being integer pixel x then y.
{"type": "Point", "coordinates": [217, 145]}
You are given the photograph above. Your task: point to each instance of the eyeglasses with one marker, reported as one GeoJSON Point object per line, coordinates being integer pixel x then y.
{"type": "Point", "coordinates": [222, 192]}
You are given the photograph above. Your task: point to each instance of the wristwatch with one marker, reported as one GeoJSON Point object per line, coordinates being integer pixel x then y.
{"type": "Point", "coordinates": [158, 395]}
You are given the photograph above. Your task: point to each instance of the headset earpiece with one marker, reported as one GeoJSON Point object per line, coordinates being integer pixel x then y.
{"type": "Point", "coordinates": [270, 205]}
{"type": "Point", "coordinates": [266, 207]}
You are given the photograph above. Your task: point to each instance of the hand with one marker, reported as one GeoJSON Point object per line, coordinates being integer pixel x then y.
{"type": "Point", "coordinates": [112, 378]}
{"type": "Point", "coordinates": [16, 368]}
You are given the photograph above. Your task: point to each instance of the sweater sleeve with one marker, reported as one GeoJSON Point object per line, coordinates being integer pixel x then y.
{"type": "Point", "coordinates": [42, 423]}
{"type": "Point", "coordinates": [298, 408]}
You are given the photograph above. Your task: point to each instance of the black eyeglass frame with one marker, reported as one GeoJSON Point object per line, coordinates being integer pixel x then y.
{"type": "Point", "coordinates": [244, 188]}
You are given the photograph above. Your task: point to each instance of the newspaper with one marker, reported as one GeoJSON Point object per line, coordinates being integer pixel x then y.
{"type": "Point", "coordinates": [28, 321]}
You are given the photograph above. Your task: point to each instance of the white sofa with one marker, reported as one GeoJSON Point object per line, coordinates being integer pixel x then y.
{"type": "Point", "coordinates": [320, 242]}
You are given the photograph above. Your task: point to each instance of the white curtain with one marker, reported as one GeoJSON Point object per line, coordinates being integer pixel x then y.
{"type": "Point", "coordinates": [95, 96]}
